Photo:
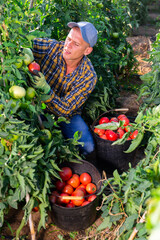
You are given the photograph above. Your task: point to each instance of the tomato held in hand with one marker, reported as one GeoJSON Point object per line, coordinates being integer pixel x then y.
{"type": "Point", "coordinates": [91, 188]}
{"type": "Point", "coordinates": [85, 178]}
{"type": "Point", "coordinates": [111, 135]}
{"type": "Point", "coordinates": [65, 173]}
{"type": "Point", "coordinates": [34, 66]}
{"type": "Point", "coordinates": [103, 120]}
{"type": "Point", "coordinates": [74, 181]}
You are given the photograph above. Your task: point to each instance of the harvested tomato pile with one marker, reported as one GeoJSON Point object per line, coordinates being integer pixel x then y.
{"type": "Point", "coordinates": [123, 126]}
{"type": "Point", "coordinates": [74, 189]}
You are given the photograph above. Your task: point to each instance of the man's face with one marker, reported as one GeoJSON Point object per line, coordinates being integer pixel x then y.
{"type": "Point", "coordinates": [75, 47]}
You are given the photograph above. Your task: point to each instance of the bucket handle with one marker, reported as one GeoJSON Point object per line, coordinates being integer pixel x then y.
{"type": "Point", "coordinates": [112, 110]}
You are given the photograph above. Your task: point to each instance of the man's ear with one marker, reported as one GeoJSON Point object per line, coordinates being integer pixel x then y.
{"type": "Point", "coordinates": [88, 50]}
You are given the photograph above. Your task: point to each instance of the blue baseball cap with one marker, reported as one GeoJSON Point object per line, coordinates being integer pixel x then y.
{"type": "Point", "coordinates": [88, 31]}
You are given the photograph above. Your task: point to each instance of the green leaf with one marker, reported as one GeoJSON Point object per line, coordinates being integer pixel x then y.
{"type": "Point", "coordinates": [105, 224]}
{"type": "Point", "coordinates": [111, 126]}
{"type": "Point", "coordinates": [22, 185]}
{"type": "Point", "coordinates": [130, 221]}
{"type": "Point", "coordinates": [135, 143]}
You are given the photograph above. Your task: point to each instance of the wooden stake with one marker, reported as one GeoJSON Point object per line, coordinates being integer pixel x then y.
{"type": "Point", "coordinates": [31, 225]}
{"type": "Point", "coordinates": [132, 236]}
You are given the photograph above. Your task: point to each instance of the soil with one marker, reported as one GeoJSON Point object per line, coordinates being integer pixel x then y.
{"type": "Point", "coordinates": [141, 45]}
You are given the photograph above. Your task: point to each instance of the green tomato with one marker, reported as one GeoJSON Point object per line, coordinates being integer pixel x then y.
{"type": "Point", "coordinates": [17, 92]}
{"type": "Point", "coordinates": [46, 135]}
{"type": "Point", "coordinates": [99, 5]}
{"type": "Point", "coordinates": [30, 93]}
{"type": "Point", "coordinates": [115, 34]}
{"type": "Point", "coordinates": [19, 63]}
{"type": "Point", "coordinates": [27, 59]}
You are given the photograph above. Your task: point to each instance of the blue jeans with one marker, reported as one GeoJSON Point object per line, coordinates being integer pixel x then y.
{"type": "Point", "coordinates": [78, 124]}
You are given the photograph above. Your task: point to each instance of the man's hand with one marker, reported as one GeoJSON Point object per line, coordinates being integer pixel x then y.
{"type": "Point", "coordinates": [38, 81]}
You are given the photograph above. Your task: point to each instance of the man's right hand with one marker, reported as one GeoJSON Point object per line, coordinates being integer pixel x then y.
{"type": "Point", "coordinates": [38, 81]}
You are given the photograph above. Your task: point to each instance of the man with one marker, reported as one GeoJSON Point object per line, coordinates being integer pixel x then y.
{"type": "Point", "coordinates": [68, 76]}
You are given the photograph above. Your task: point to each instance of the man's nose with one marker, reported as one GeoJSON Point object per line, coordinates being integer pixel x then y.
{"type": "Point", "coordinates": [69, 44]}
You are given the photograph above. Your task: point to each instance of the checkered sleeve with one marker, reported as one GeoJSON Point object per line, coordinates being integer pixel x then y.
{"type": "Point", "coordinates": [74, 99]}
{"type": "Point", "coordinates": [40, 48]}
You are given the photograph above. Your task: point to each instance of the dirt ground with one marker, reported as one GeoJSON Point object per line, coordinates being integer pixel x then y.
{"type": "Point", "coordinates": [141, 45]}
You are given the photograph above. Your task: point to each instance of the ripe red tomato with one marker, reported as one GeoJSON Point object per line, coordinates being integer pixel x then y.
{"type": "Point", "coordinates": [99, 131]}
{"type": "Point", "coordinates": [91, 198]}
{"type": "Point", "coordinates": [111, 135]}
{"type": "Point", "coordinates": [128, 128]}
{"type": "Point", "coordinates": [125, 120]}
{"type": "Point", "coordinates": [103, 136]}
{"type": "Point", "coordinates": [134, 134]}
{"type": "Point", "coordinates": [52, 198]}
{"type": "Point", "coordinates": [103, 120]}
{"type": "Point", "coordinates": [65, 173]}
{"type": "Point", "coordinates": [74, 181]}
{"type": "Point", "coordinates": [85, 203]}
{"type": "Point", "coordinates": [120, 132]}
{"type": "Point", "coordinates": [113, 119]}
{"type": "Point", "coordinates": [60, 185]}
{"type": "Point", "coordinates": [35, 209]}
{"type": "Point", "coordinates": [78, 193]}
{"type": "Point", "coordinates": [91, 188]}
{"type": "Point", "coordinates": [63, 200]}
{"type": "Point", "coordinates": [68, 189]}
{"type": "Point", "coordinates": [129, 138]}
{"type": "Point", "coordinates": [85, 178]}
{"type": "Point", "coordinates": [33, 66]}
{"type": "Point", "coordinates": [70, 205]}
{"type": "Point", "coordinates": [121, 115]}
{"type": "Point", "coordinates": [82, 187]}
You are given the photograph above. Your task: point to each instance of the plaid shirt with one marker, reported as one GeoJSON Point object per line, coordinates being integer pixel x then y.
{"type": "Point", "coordinates": [68, 92]}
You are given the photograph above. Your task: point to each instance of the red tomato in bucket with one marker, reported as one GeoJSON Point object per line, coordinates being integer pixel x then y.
{"type": "Point", "coordinates": [65, 173]}
{"type": "Point", "coordinates": [103, 120]}
{"type": "Point", "coordinates": [91, 188]}
{"type": "Point", "coordinates": [111, 135]}
{"type": "Point", "coordinates": [85, 178]}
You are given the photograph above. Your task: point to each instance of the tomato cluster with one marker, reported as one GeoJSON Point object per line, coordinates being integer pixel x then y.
{"type": "Point", "coordinates": [73, 190]}
{"type": "Point", "coordinates": [119, 132]}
